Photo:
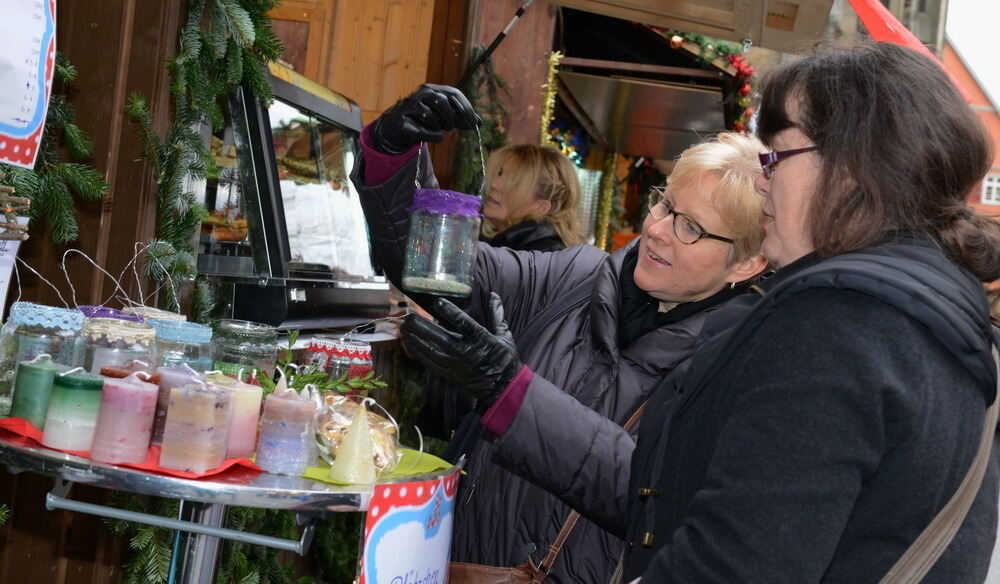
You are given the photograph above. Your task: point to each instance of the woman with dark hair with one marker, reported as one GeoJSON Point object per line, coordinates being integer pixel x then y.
{"type": "Point", "coordinates": [820, 429]}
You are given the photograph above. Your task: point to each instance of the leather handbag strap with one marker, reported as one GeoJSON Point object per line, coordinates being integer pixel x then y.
{"type": "Point", "coordinates": [543, 569]}
{"type": "Point", "coordinates": [914, 564]}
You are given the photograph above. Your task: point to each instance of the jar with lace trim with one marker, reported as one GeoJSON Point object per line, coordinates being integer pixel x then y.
{"type": "Point", "coordinates": [245, 350]}
{"type": "Point", "coordinates": [113, 342]}
{"type": "Point", "coordinates": [33, 330]}
{"type": "Point", "coordinates": [179, 342]}
{"type": "Point", "coordinates": [339, 356]}
{"type": "Point", "coordinates": [94, 311]}
{"type": "Point", "coordinates": [149, 313]}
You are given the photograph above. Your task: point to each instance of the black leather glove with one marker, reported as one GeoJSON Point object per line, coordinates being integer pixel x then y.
{"type": "Point", "coordinates": [480, 362]}
{"type": "Point", "coordinates": [424, 116]}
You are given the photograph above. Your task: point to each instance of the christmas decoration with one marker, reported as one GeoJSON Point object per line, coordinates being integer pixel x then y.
{"type": "Point", "coordinates": [570, 139]}
{"type": "Point", "coordinates": [11, 207]}
{"type": "Point", "coordinates": [230, 47]}
{"type": "Point", "coordinates": [549, 90]}
{"type": "Point", "coordinates": [609, 192]}
{"type": "Point", "coordinates": [729, 58]}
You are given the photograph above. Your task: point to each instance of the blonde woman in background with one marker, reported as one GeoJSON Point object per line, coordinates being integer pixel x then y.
{"type": "Point", "coordinates": [531, 204]}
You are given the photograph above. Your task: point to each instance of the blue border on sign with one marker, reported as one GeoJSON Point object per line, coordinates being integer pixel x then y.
{"type": "Point", "coordinates": [37, 121]}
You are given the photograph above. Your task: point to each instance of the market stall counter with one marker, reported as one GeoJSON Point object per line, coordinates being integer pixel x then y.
{"type": "Point", "coordinates": [203, 501]}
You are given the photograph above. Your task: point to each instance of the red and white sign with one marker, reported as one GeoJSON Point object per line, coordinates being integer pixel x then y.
{"type": "Point", "coordinates": [27, 61]}
{"type": "Point", "coordinates": [408, 532]}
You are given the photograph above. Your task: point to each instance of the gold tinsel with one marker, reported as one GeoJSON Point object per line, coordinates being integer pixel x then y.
{"type": "Point", "coordinates": [549, 91]}
{"type": "Point", "coordinates": [604, 203]}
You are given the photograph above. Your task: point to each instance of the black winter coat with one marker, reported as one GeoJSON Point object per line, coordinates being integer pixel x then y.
{"type": "Point", "coordinates": [819, 437]}
{"type": "Point", "coordinates": [502, 519]}
{"type": "Point", "coordinates": [813, 435]}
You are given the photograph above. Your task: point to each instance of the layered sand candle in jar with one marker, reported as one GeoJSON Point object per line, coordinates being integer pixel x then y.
{"type": "Point", "coordinates": [246, 415]}
{"type": "Point", "coordinates": [72, 414]}
{"type": "Point", "coordinates": [287, 443]}
{"type": "Point", "coordinates": [196, 434]}
{"type": "Point", "coordinates": [179, 342]}
{"type": "Point", "coordinates": [245, 350]}
{"type": "Point", "coordinates": [33, 389]}
{"type": "Point", "coordinates": [441, 246]}
{"type": "Point", "coordinates": [125, 419]}
{"type": "Point", "coordinates": [170, 377]}
{"type": "Point", "coordinates": [114, 342]}
{"type": "Point", "coordinates": [33, 330]}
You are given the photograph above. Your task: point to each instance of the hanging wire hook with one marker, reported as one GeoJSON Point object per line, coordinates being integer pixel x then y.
{"type": "Point", "coordinates": [118, 285]}
{"type": "Point", "coordinates": [42, 278]}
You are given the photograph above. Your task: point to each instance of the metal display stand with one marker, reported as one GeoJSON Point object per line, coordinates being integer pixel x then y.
{"type": "Point", "coordinates": [203, 502]}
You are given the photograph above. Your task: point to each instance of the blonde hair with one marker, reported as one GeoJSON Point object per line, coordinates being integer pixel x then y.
{"type": "Point", "coordinates": [732, 158]}
{"type": "Point", "coordinates": [539, 172]}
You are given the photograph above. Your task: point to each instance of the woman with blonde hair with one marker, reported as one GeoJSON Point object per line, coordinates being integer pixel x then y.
{"type": "Point", "coordinates": [543, 331]}
{"type": "Point", "coordinates": [532, 201]}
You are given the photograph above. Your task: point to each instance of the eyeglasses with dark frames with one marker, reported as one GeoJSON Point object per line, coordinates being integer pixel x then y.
{"type": "Point", "coordinates": [769, 160]}
{"type": "Point", "coordinates": [686, 229]}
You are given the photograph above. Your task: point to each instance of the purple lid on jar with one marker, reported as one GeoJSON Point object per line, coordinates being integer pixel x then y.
{"type": "Point", "coordinates": [446, 202]}
{"type": "Point", "coordinates": [91, 311]}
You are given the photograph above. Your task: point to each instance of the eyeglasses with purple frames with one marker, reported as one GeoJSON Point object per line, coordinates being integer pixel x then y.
{"type": "Point", "coordinates": [769, 160]}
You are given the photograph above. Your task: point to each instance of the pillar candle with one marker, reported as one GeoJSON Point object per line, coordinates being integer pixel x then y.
{"type": "Point", "coordinates": [246, 415]}
{"type": "Point", "coordinates": [196, 433]}
{"type": "Point", "coordinates": [33, 389]}
{"type": "Point", "coordinates": [170, 377]}
{"type": "Point", "coordinates": [124, 421]}
{"type": "Point", "coordinates": [72, 414]}
{"type": "Point", "coordinates": [287, 443]}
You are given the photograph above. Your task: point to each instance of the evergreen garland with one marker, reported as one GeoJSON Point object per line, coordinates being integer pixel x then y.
{"type": "Point", "coordinates": [51, 182]}
{"type": "Point", "coordinates": [4, 513]}
{"type": "Point", "coordinates": [223, 44]}
{"type": "Point", "coordinates": [484, 91]}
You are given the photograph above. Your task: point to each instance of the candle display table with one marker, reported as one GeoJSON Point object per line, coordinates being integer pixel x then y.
{"type": "Point", "coordinates": [203, 502]}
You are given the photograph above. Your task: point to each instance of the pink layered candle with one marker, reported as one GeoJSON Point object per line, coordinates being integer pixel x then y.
{"type": "Point", "coordinates": [124, 421]}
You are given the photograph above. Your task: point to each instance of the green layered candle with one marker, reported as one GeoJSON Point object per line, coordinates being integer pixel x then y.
{"type": "Point", "coordinates": [72, 415]}
{"type": "Point", "coordinates": [33, 389]}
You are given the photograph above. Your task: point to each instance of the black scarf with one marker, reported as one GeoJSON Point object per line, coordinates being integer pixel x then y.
{"type": "Point", "coordinates": [640, 312]}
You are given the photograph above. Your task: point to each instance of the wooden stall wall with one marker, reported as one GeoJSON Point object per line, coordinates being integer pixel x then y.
{"type": "Point", "coordinates": [521, 59]}
{"type": "Point", "coordinates": [119, 47]}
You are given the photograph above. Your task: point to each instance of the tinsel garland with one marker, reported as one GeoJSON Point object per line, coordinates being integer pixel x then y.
{"type": "Point", "coordinates": [609, 184]}
{"type": "Point", "coordinates": [549, 91]}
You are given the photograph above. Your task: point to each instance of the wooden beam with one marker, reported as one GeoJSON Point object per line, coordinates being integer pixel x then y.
{"type": "Point", "coordinates": [638, 67]}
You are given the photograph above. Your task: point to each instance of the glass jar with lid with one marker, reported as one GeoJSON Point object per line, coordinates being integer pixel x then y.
{"type": "Point", "coordinates": [245, 350]}
{"type": "Point", "coordinates": [149, 313]}
{"type": "Point", "coordinates": [33, 330]}
{"type": "Point", "coordinates": [179, 342]}
{"type": "Point", "coordinates": [441, 247]}
{"type": "Point", "coordinates": [113, 342]}
{"type": "Point", "coordinates": [339, 356]}
{"type": "Point", "coordinates": [94, 311]}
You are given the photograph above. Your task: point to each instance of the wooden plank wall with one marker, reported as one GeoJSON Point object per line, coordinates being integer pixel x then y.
{"type": "Point", "coordinates": [119, 47]}
{"type": "Point", "coordinates": [521, 59]}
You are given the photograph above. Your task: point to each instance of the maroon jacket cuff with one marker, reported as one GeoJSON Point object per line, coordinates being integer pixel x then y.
{"type": "Point", "coordinates": [501, 414]}
{"type": "Point", "coordinates": [379, 166]}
